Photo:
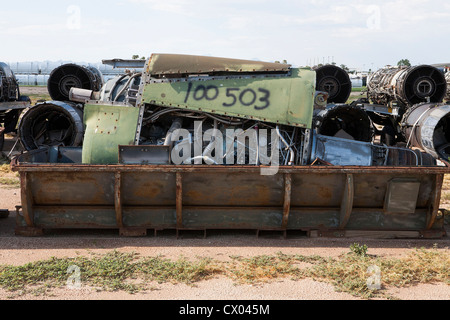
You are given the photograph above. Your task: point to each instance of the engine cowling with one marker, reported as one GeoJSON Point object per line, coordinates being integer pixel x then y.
{"type": "Point", "coordinates": [70, 75]}
{"type": "Point", "coordinates": [407, 85]}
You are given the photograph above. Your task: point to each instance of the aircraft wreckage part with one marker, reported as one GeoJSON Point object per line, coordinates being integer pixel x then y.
{"type": "Point", "coordinates": [83, 95]}
{"type": "Point", "coordinates": [123, 89]}
{"type": "Point", "coordinates": [9, 88]}
{"type": "Point", "coordinates": [168, 65]}
{"type": "Point", "coordinates": [11, 102]}
{"type": "Point", "coordinates": [51, 123]}
{"type": "Point", "coordinates": [335, 81]}
{"type": "Point", "coordinates": [70, 75]}
{"type": "Point", "coordinates": [407, 85]}
{"type": "Point", "coordinates": [345, 152]}
{"type": "Point", "coordinates": [283, 99]}
{"type": "Point", "coordinates": [427, 126]}
{"type": "Point", "coordinates": [155, 181]}
{"type": "Point", "coordinates": [344, 121]}
{"type": "Point", "coordinates": [107, 127]}
{"type": "Point", "coordinates": [319, 200]}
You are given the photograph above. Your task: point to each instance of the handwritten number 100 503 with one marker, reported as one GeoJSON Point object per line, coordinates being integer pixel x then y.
{"type": "Point", "coordinates": [246, 97]}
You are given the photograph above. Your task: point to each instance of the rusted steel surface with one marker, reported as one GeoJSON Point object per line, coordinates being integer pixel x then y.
{"type": "Point", "coordinates": [179, 200]}
{"type": "Point", "coordinates": [179, 64]}
{"type": "Point", "coordinates": [118, 199]}
{"type": "Point", "coordinates": [322, 201]}
{"type": "Point", "coordinates": [436, 201]}
{"type": "Point", "coordinates": [287, 199]}
{"type": "Point", "coordinates": [26, 198]}
{"type": "Point", "coordinates": [347, 201]}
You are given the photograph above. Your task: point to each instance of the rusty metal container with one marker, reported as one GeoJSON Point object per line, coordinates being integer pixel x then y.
{"type": "Point", "coordinates": [322, 201]}
{"type": "Point", "coordinates": [134, 171]}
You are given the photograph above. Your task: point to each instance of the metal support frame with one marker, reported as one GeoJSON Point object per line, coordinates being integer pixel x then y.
{"type": "Point", "coordinates": [27, 199]}
{"type": "Point", "coordinates": [118, 199]}
{"type": "Point", "coordinates": [287, 200]}
{"type": "Point", "coordinates": [347, 201]}
{"type": "Point", "coordinates": [118, 207]}
{"type": "Point", "coordinates": [434, 209]}
{"type": "Point", "coordinates": [179, 200]}
{"type": "Point", "coordinates": [27, 208]}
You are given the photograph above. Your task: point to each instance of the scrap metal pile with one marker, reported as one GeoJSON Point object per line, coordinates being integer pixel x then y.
{"type": "Point", "coordinates": [197, 143]}
{"type": "Point", "coordinates": [402, 122]}
{"type": "Point", "coordinates": [11, 102]}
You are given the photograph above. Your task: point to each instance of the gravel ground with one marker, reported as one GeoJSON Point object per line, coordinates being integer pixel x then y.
{"type": "Point", "coordinates": [18, 250]}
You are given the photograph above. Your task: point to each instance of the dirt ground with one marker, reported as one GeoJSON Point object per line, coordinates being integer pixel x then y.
{"type": "Point", "coordinates": [19, 250]}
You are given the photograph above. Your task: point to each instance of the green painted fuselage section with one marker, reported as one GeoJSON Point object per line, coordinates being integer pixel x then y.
{"type": "Point", "coordinates": [280, 99]}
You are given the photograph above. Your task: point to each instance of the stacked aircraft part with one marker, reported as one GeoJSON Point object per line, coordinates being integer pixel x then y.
{"type": "Point", "coordinates": [220, 93]}
{"type": "Point", "coordinates": [9, 88]}
{"type": "Point", "coordinates": [344, 152]}
{"type": "Point", "coordinates": [335, 81]}
{"type": "Point", "coordinates": [52, 123]}
{"type": "Point", "coordinates": [9, 91]}
{"type": "Point", "coordinates": [11, 102]}
{"type": "Point", "coordinates": [176, 87]}
{"type": "Point", "coordinates": [59, 122]}
{"type": "Point", "coordinates": [407, 86]}
{"type": "Point", "coordinates": [427, 127]}
{"type": "Point", "coordinates": [67, 76]}
{"type": "Point", "coordinates": [200, 143]}
{"type": "Point", "coordinates": [122, 89]}
{"type": "Point", "coordinates": [344, 121]}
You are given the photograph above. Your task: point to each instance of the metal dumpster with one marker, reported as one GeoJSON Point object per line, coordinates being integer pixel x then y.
{"type": "Point", "coordinates": [185, 145]}
{"type": "Point", "coordinates": [58, 192]}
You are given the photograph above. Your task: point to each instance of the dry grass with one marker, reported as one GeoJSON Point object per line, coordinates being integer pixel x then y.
{"type": "Point", "coordinates": [8, 178]}
{"type": "Point", "coordinates": [35, 98]}
{"type": "Point", "coordinates": [445, 195]}
{"type": "Point", "coordinates": [128, 272]}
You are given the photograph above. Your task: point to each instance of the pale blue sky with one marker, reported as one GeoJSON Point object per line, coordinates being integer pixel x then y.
{"type": "Point", "coordinates": [356, 33]}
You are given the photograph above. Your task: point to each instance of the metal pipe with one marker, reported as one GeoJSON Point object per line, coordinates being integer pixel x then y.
{"type": "Point", "coordinates": [70, 75]}
{"type": "Point", "coordinates": [127, 85]}
{"type": "Point", "coordinates": [292, 155]}
{"type": "Point", "coordinates": [207, 159]}
{"type": "Point", "coordinates": [176, 124]}
{"type": "Point", "coordinates": [83, 95]}
{"type": "Point", "coordinates": [226, 121]}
